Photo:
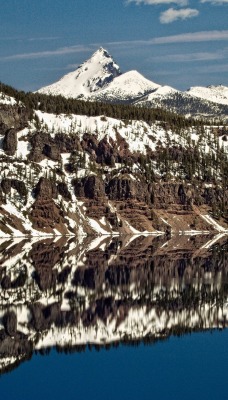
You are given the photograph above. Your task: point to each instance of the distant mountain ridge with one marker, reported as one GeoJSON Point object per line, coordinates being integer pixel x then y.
{"type": "Point", "coordinates": [217, 94]}
{"type": "Point", "coordinates": [100, 79]}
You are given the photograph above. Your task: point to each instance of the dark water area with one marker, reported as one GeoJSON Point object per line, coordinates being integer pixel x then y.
{"type": "Point", "coordinates": [106, 318]}
{"type": "Point", "coordinates": [190, 367]}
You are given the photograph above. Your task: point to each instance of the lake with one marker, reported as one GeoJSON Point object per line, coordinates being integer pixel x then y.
{"type": "Point", "coordinates": [122, 317]}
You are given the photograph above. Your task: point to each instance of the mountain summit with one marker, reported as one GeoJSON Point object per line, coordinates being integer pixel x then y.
{"type": "Point", "coordinates": [100, 79]}
{"type": "Point", "coordinates": [94, 74]}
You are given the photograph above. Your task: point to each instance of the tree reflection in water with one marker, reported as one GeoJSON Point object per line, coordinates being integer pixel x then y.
{"type": "Point", "coordinates": [74, 293]}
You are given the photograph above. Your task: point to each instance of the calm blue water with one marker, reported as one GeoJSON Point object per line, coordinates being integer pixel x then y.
{"type": "Point", "coordinates": [191, 367]}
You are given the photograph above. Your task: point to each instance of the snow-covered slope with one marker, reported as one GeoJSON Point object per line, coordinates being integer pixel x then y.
{"type": "Point", "coordinates": [163, 91]}
{"type": "Point", "coordinates": [4, 99]}
{"type": "Point", "coordinates": [128, 86]}
{"type": "Point", "coordinates": [70, 174]}
{"type": "Point", "coordinates": [160, 93]}
{"type": "Point", "coordinates": [111, 135]}
{"type": "Point", "coordinates": [217, 94]}
{"type": "Point", "coordinates": [99, 79]}
{"type": "Point", "coordinates": [89, 77]}
{"type": "Point", "coordinates": [199, 104]}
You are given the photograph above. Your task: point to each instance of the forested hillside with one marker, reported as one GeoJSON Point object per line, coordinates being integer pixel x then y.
{"type": "Point", "coordinates": [70, 166]}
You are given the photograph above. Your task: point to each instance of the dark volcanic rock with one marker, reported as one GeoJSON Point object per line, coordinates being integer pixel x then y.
{"type": "Point", "coordinates": [43, 145]}
{"type": "Point", "coordinates": [45, 213]}
{"type": "Point", "coordinates": [13, 117]}
{"type": "Point", "coordinates": [63, 191]}
{"type": "Point", "coordinates": [52, 152]}
{"type": "Point", "coordinates": [44, 317]}
{"type": "Point", "coordinates": [6, 186]}
{"type": "Point", "coordinates": [45, 189]}
{"type": "Point", "coordinates": [168, 194]}
{"type": "Point", "coordinates": [6, 282]}
{"type": "Point", "coordinates": [124, 187]}
{"type": "Point", "coordinates": [212, 195]}
{"type": "Point", "coordinates": [107, 151]}
{"type": "Point", "coordinates": [10, 142]}
{"type": "Point", "coordinates": [90, 187]}
{"type": "Point", "coordinates": [16, 184]}
{"type": "Point", "coordinates": [10, 323]}
{"type": "Point", "coordinates": [1, 196]}
{"type": "Point", "coordinates": [38, 142]}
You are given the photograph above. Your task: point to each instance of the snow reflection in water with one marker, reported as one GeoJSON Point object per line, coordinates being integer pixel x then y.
{"type": "Point", "coordinates": [104, 291]}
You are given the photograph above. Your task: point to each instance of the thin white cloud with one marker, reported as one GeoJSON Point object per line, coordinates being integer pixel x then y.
{"type": "Point", "coordinates": [191, 57]}
{"type": "Point", "coordinates": [47, 53]}
{"type": "Point", "coordinates": [155, 2]}
{"type": "Point", "coordinates": [37, 39]}
{"type": "Point", "coordinates": [215, 2]}
{"type": "Point", "coordinates": [2, 38]}
{"type": "Point", "coordinates": [172, 15]}
{"type": "Point", "coordinates": [72, 66]}
{"type": "Point", "coordinates": [192, 71]}
{"type": "Point", "coordinates": [67, 67]}
{"type": "Point", "coordinates": [191, 37]}
{"type": "Point", "coordinates": [214, 69]}
{"type": "Point", "coordinates": [30, 39]}
{"type": "Point", "coordinates": [203, 36]}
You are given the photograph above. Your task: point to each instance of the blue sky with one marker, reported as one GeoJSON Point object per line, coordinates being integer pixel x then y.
{"type": "Point", "coordinates": [180, 43]}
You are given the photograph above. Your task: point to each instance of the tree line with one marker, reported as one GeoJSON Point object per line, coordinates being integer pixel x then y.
{"type": "Point", "coordinates": [61, 105]}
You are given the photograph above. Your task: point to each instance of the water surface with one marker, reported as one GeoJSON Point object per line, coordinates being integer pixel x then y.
{"type": "Point", "coordinates": [105, 318]}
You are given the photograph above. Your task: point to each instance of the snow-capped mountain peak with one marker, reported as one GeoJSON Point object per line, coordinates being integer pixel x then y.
{"type": "Point", "coordinates": [215, 93]}
{"type": "Point", "coordinates": [99, 79]}
{"type": "Point", "coordinates": [128, 86]}
{"type": "Point", "coordinates": [92, 75]}
{"type": "Point", "coordinates": [101, 53]}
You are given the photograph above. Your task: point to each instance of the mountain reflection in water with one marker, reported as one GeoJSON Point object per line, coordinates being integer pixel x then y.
{"type": "Point", "coordinates": [70, 293]}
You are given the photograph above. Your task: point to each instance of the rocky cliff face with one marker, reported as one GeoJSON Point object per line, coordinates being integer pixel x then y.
{"type": "Point", "coordinates": [72, 174]}
{"type": "Point", "coordinates": [13, 118]}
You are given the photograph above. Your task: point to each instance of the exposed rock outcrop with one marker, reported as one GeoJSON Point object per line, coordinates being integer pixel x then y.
{"type": "Point", "coordinates": [45, 189]}
{"type": "Point", "coordinates": [45, 213]}
{"type": "Point", "coordinates": [90, 187]}
{"type": "Point", "coordinates": [13, 117]}
{"type": "Point", "coordinates": [64, 191]}
{"type": "Point", "coordinates": [10, 142]}
{"type": "Point", "coordinates": [43, 145]}
{"type": "Point", "coordinates": [16, 184]}
{"type": "Point", "coordinates": [165, 195]}
{"type": "Point", "coordinates": [105, 151]}
{"type": "Point", "coordinates": [125, 187]}
{"type": "Point", "coordinates": [10, 323]}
